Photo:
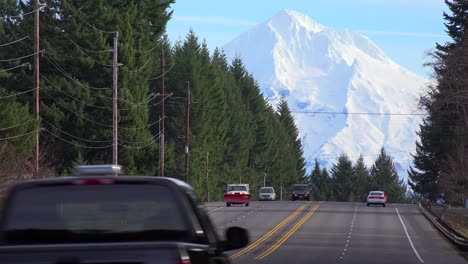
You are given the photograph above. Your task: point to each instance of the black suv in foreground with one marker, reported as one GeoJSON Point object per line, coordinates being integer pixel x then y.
{"type": "Point", "coordinates": [300, 192]}
{"type": "Point", "coordinates": [97, 217]}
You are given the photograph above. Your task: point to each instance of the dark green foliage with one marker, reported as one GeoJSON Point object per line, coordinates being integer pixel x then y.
{"type": "Point", "coordinates": [360, 180]}
{"type": "Point", "coordinates": [342, 173]}
{"type": "Point", "coordinates": [321, 185]}
{"type": "Point", "coordinates": [440, 160]}
{"type": "Point", "coordinates": [384, 177]}
{"type": "Point", "coordinates": [287, 121]}
{"type": "Point", "coordinates": [236, 135]}
{"type": "Point", "coordinates": [424, 177]}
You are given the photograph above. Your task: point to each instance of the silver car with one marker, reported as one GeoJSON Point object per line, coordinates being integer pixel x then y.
{"type": "Point", "coordinates": [266, 193]}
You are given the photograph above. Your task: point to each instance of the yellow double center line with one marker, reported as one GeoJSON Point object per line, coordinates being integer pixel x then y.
{"type": "Point", "coordinates": [288, 234]}
{"type": "Point", "coordinates": [269, 233]}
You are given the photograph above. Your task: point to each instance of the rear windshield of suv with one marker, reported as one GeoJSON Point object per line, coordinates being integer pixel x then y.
{"type": "Point", "coordinates": [300, 187]}
{"type": "Point", "coordinates": [89, 213]}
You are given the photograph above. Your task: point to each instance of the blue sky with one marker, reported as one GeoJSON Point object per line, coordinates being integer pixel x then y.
{"type": "Point", "coordinates": [404, 29]}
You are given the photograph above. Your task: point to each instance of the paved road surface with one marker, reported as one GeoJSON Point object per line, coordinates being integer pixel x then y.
{"type": "Point", "coordinates": [328, 232]}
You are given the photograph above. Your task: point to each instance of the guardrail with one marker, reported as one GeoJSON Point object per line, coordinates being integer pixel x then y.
{"type": "Point", "coordinates": [448, 232]}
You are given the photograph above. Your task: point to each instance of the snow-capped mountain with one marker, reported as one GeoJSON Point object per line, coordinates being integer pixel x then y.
{"type": "Point", "coordinates": [323, 72]}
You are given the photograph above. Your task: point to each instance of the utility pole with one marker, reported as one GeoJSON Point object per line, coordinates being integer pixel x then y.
{"type": "Point", "coordinates": [207, 185]}
{"type": "Point", "coordinates": [187, 136]}
{"type": "Point", "coordinates": [163, 92]}
{"type": "Point", "coordinates": [115, 117]}
{"type": "Point", "coordinates": [37, 87]}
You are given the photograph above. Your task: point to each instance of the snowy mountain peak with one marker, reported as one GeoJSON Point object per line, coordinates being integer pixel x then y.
{"type": "Point", "coordinates": [296, 20]}
{"type": "Point", "coordinates": [322, 70]}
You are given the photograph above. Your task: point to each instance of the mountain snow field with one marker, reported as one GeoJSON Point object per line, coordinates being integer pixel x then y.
{"type": "Point", "coordinates": [346, 95]}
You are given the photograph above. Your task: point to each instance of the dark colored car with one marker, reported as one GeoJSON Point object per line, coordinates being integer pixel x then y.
{"type": "Point", "coordinates": [110, 219]}
{"type": "Point", "coordinates": [300, 192]}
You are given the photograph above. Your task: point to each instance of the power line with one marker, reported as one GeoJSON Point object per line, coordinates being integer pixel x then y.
{"type": "Point", "coordinates": [13, 95]}
{"type": "Point", "coordinates": [330, 157]}
{"type": "Point", "coordinates": [74, 98]}
{"type": "Point", "coordinates": [358, 113]}
{"type": "Point", "coordinates": [143, 141]}
{"type": "Point", "coordinates": [87, 87]}
{"type": "Point", "coordinates": [150, 50]}
{"type": "Point", "coordinates": [86, 22]}
{"type": "Point", "coordinates": [61, 70]}
{"type": "Point", "coordinates": [19, 58]}
{"type": "Point", "coordinates": [149, 144]}
{"type": "Point", "coordinates": [18, 136]}
{"type": "Point", "coordinates": [20, 16]}
{"type": "Point", "coordinates": [83, 139]}
{"type": "Point", "coordinates": [13, 42]}
{"type": "Point", "coordinates": [74, 42]}
{"type": "Point", "coordinates": [138, 70]}
{"type": "Point", "coordinates": [15, 67]}
{"type": "Point", "coordinates": [72, 143]}
{"type": "Point", "coordinates": [161, 75]}
{"type": "Point", "coordinates": [149, 126]}
{"type": "Point", "coordinates": [101, 141]}
{"type": "Point", "coordinates": [17, 125]}
{"type": "Point", "coordinates": [98, 123]}
{"type": "Point", "coordinates": [76, 114]}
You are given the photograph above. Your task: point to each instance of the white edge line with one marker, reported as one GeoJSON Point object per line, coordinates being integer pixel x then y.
{"type": "Point", "coordinates": [409, 238]}
{"type": "Point", "coordinates": [212, 210]}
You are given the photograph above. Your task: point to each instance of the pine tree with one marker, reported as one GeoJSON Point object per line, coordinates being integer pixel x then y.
{"type": "Point", "coordinates": [360, 180]}
{"type": "Point", "coordinates": [327, 188]}
{"type": "Point", "coordinates": [384, 177]}
{"type": "Point", "coordinates": [287, 121]}
{"type": "Point", "coordinates": [315, 184]}
{"type": "Point", "coordinates": [445, 129]}
{"type": "Point", "coordinates": [341, 173]}
{"type": "Point", "coordinates": [424, 176]}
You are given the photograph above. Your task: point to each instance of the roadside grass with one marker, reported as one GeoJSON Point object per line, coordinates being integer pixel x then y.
{"type": "Point", "coordinates": [455, 218]}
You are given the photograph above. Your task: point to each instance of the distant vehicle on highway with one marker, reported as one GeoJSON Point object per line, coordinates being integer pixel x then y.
{"type": "Point", "coordinates": [237, 194]}
{"type": "Point", "coordinates": [267, 194]}
{"type": "Point", "coordinates": [300, 192]}
{"type": "Point", "coordinates": [377, 197]}
{"type": "Point", "coordinates": [98, 217]}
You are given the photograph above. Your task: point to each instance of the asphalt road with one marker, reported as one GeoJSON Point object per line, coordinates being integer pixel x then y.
{"type": "Point", "coordinates": [332, 232]}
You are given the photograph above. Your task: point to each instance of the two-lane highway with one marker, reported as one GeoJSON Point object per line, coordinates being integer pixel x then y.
{"type": "Point", "coordinates": [333, 232]}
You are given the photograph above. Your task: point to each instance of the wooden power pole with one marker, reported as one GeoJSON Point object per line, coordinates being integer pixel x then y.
{"type": "Point", "coordinates": [163, 92]}
{"type": "Point", "coordinates": [37, 87]}
{"type": "Point", "coordinates": [187, 136]}
{"type": "Point", "coordinates": [115, 116]}
{"type": "Point", "coordinates": [207, 180]}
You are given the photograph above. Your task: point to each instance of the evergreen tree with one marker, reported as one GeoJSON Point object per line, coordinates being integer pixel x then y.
{"type": "Point", "coordinates": [424, 177]}
{"type": "Point", "coordinates": [360, 180]}
{"type": "Point", "coordinates": [327, 188]}
{"type": "Point", "coordinates": [445, 129]}
{"type": "Point", "coordinates": [341, 173]}
{"type": "Point", "coordinates": [231, 121]}
{"type": "Point", "coordinates": [315, 191]}
{"type": "Point", "coordinates": [384, 177]}
{"type": "Point", "coordinates": [287, 121]}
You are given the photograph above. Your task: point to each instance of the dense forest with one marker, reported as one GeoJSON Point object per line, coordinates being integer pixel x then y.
{"type": "Point", "coordinates": [215, 124]}
{"type": "Point", "coordinates": [441, 158]}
